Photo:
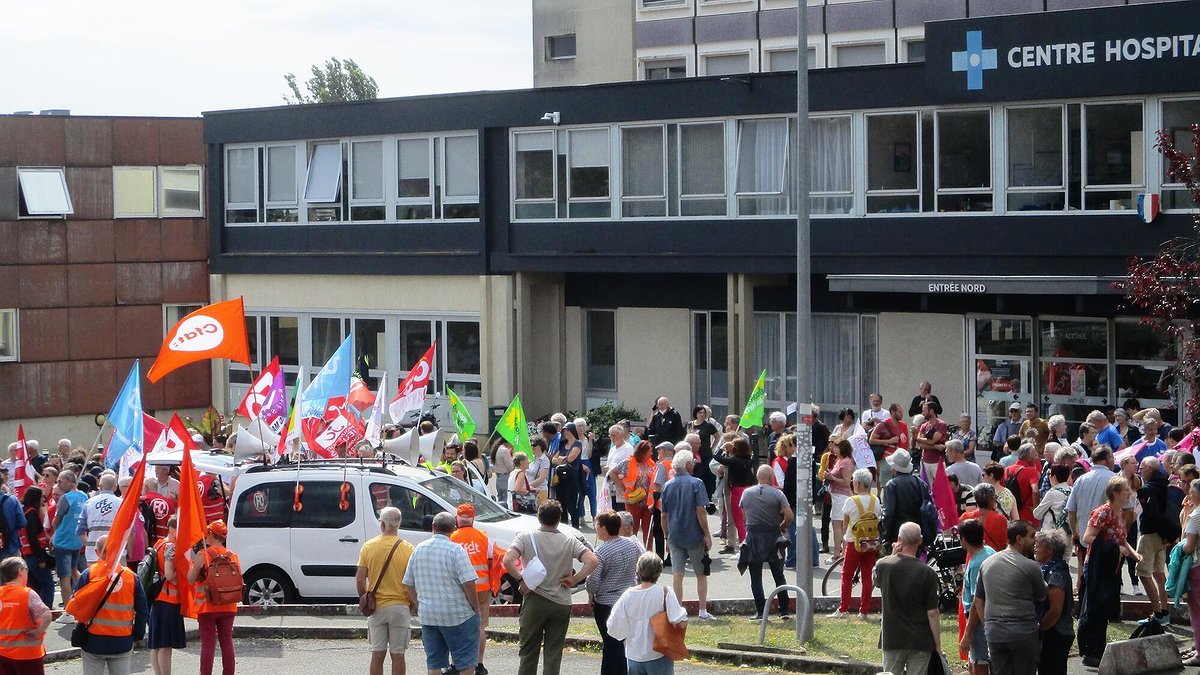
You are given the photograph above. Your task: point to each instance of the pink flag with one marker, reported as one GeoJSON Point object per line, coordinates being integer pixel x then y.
{"type": "Point", "coordinates": [24, 477]}
{"type": "Point", "coordinates": [943, 499]}
{"type": "Point", "coordinates": [266, 398]}
{"type": "Point", "coordinates": [1132, 450]}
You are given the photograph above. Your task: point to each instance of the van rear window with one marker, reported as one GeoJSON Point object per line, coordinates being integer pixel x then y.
{"type": "Point", "coordinates": [265, 505]}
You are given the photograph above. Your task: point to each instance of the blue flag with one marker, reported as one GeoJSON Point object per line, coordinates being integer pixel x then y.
{"type": "Point", "coordinates": [125, 416]}
{"type": "Point", "coordinates": [332, 382]}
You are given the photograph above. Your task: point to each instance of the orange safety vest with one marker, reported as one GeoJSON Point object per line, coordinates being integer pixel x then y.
{"type": "Point", "coordinates": [170, 589]}
{"type": "Point", "coordinates": [479, 550]}
{"type": "Point", "coordinates": [668, 473]}
{"type": "Point", "coordinates": [14, 622]}
{"type": "Point", "coordinates": [115, 616]}
{"type": "Point", "coordinates": [200, 589]}
{"type": "Point", "coordinates": [631, 476]}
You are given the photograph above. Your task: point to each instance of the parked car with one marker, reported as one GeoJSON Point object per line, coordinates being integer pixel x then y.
{"type": "Point", "coordinates": [297, 529]}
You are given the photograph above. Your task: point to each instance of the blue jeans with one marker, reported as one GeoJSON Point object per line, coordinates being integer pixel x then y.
{"type": "Point", "coordinates": [588, 488]}
{"type": "Point", "coordinates": [659, 666]}
{"type": "Point", "coordinates": [41, 580]}
{"type": "Point", "coordinates": [442, 642]}
{"type": "Point", "coordinates": [791, 553]}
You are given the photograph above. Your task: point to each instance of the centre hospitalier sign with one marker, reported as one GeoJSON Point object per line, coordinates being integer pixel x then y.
{"type": "Point", "coordinates": [1105, 51]}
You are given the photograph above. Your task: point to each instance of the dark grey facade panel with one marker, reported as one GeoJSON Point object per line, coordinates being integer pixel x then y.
{"type": "Point", "coordinates": [912, 13]}
{"type": "Point", "coordinates": [727, 27]}
{"type": "Point", "coordinates": [978, 8]}
{"type": "Point", "coordinates": [853, 16]}
{"type": "Point", "coordinates": [1082, 4]}
{"type": "Point", "coordinates": [701, 291]}
{"type": "Point", "coordinates": [773, 23]}
{"type": "Point", "coordinates": [663, 33]}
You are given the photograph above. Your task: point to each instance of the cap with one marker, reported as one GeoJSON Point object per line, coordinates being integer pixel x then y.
{"type": "Point", "coordinates": [218, 528]}
{"type": "Point", "coordinates": [197, 438]}
{"type": "Point", "coordinates": [665, 445]}
{"type": "Point", "coordinates": [466, 512]}
{"type": "Point", "coordinates": [1014, 406]}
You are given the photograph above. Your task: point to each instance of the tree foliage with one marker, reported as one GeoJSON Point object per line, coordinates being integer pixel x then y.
{"type": "Point", "coordinates": [336, 81]}
{"type": "Point", "coordinates": [1165, 288]}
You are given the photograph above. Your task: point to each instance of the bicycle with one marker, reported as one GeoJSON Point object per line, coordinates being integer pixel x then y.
{"type": "Point", "coordinates": [946, 557]}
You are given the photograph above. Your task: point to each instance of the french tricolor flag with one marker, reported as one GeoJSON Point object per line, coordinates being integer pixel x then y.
{"type": "Point", "coordinates": [1148, 206]}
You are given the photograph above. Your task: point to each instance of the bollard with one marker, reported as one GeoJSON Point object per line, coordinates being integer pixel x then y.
{"type": "Point", "coordinates": [803, 610]}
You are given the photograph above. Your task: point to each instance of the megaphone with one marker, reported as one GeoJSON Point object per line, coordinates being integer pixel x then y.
{"type": "Point", "coordinates": [248, 445]}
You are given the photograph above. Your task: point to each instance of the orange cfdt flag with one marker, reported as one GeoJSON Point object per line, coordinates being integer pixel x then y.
{"type": "Point", "coordinates": [189, 529]}
{"type": "Point", "coordinates": [217, 331]}
{"type": "Point", "coordinates": [125, 520]}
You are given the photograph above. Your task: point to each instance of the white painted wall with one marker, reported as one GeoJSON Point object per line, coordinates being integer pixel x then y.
{"type": "Point", "coordinates": [654, 357]}
{"type": "Point", "coordinates": [915, 347]}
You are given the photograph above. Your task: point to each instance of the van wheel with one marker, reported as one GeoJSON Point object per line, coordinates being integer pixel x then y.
{"type": "Point", "coordinates": [269, 586]}
{"type": "Point", "coordinates": [510, 593]}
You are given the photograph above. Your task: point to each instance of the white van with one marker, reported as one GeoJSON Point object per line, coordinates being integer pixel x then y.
{"type": "Point", "coordinates": [298, 529]}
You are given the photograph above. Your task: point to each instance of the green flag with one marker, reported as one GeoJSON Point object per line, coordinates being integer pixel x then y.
{"type": "Point", "coordinates": [513, 428]}
{"type": "Point", "coordinates": [463, 422]}
{"type": "Point", "coordinates": [756, 404]}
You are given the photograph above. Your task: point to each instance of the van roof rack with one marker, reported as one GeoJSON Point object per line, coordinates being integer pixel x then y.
{"type": "Point", "coordinates": [373, 465]}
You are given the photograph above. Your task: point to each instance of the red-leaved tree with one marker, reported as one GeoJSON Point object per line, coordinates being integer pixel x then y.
{"type": "Point", "coordinates": [1165, 288]}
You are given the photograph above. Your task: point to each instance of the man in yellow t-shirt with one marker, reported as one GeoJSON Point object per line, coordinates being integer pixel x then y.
{"type": "Point", "coordinates": [389, 627]}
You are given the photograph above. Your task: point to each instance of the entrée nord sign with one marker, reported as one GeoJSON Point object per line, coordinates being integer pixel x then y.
{"type": "Point", "coordinates": [957, 288]}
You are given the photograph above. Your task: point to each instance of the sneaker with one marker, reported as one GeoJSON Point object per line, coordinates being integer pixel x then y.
{"type": "Point", "coordinates": [481, 670]}
{"type": "Point", "coordinates": [784, 617]}
{"type": "Point", "coordinates": [65, 618]}
{"type": "Point", "coordinates": [705, 615]}
{"type": "Point", "coordinates": [789, 566]}
{"type": "Point", "coordinates": [756, 618]}
{"type": "Point", "coordinates": [1163, 619]}
{"type": "Point", "coordinates": [1137, 590]}
{"type": "Point", "coordinates": [1193, 661]}
{"type": "Point", "coordinates": [839, 614]}
{"type": "Point", "coordinates": [863, 617]}
{"type": "Point", "coordinates": [726, 551]}
{"type": "Point", "coordinates": [1091, 662]}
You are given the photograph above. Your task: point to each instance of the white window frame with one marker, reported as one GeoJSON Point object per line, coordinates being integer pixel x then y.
{"type": "Point", "coordinates": [649, 58]}
{"type": "Point", "coordinates": [571, 199]}
{"type": "Point", "coordinates": [681, 197]}
{"type": "Point", "coordinates": [443, 168]}
{"type": "Point", "coordinates": [591, 392]}
{"type": "Point", "coordinates": [1160, 161]}
{"type": "Point", "coordinates": [382, 200]}
{"type": "Point", "coordinates": [917, 159]}
{"type": "Point", "coordinates": [427, 200]}
{"type": "Point", "coordinates": [243, 206]}
{"type": "Point", "coordinates": [298, 177]}
{"type": "Point", "coordinates": [850, 191]}
{"type": "Point", "coordinates": [1064, 147]}
{"type": "Point", "coordinates": [161, 195]}
{"type": "Point", "coordinates": [15, 338]}
{"type": "Point", "coordinates": [1133, 152]}
{"type": "Point", "coordinates": [553, 198]}
{"type": "Point", "coordinates": [751, 61]}
{"type": "Point", "coordinates": [784, 191]}
{"type": "Point", "coordinates": [154, 191]}
{"type": "Point", "coordinates": [44, 213]}
{"type": "Point", "coordinates": [664, 197]}
{"type": "Point", "coordinates": [886, 42]}
{"type": "Point", "coordinates": [549, 41]}
{"type": "Point", "coordinates": [938, 190]}
{"type": "Point", "coordinates": [319, 198]}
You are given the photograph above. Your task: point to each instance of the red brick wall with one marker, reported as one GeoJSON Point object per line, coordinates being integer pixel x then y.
{"type": "Point", "coordinates": [90, 288]}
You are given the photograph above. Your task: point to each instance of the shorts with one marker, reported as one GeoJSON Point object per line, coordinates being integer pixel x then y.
{"type": "Point", "coordinates": [66, 561]}
{"type": "Point", "coordinates": [443, 642]}
{"type": "Point", "coordinates": [978, 654]}
{"type": "Point", "coordinates": [837, 502]}
{"type": "Point", "coordinates": [1154, 555]}
{"type": "Point", "coordinates": [389, 628]}
{"type": "Point", "coordinates": [680, 555]}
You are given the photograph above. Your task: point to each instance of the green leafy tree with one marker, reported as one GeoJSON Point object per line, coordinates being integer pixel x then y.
{"type": "Point", "coordinates": [336, 81]}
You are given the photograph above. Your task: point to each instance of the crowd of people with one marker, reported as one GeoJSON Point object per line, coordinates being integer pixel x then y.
{"type": "Point", "coordinates": [53, 539]}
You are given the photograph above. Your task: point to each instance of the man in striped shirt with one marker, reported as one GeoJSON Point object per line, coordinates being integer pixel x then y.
{"type": "Point", "coordinates": [615, 573]}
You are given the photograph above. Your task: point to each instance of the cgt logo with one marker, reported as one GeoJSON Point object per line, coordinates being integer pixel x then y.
{"type": "Point", "coordinates": [197, 334]}
{"type": "Point", "coordinates": [974, 60]}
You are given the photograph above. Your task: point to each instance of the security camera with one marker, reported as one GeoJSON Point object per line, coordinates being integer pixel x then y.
{"type": "Point", "coordinates": [551, 117]}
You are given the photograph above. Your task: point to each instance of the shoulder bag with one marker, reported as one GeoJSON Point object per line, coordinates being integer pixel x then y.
{"type": "Point", "coordinates": [668, 637]}
{"type": "Point", "coordinates": [366, 603]}
{"type": "Point", "coordinates": [80, 633]}
{"type": "Point", "coordinates": [535, 571]}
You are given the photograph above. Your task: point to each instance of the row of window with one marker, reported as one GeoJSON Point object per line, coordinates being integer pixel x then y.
{"type": "Point", "coordinates": [1040, 158]}
{"type": "Point", "coordinates": [383, 343]}
{"type": "Point", "coordinates": [10, 327]}
{"type": "Point", "coordinates": [138, 192]}
{"type": "Point", "coordinates": [653, 65]}
{"type": "Point", "coordinates": [378, 179]}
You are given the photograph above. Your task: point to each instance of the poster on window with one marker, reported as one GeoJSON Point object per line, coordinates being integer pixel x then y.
{"type": "Point", "coordinates": [863, 457]}
{"type": "Point", "coordinates": [1078, 380]}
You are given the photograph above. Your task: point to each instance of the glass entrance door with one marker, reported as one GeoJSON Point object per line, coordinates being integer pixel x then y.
{"type": "Point", "coordinates": [1073, 365]}
{"type": "Point", "coordinates": [1002, 350]}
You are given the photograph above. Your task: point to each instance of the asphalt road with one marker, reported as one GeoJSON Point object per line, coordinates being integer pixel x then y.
{"type": "Point", "coordinates": [321, 657]}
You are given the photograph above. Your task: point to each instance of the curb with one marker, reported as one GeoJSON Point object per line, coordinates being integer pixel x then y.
{"type": "Point", "coordinates": [781, 661]}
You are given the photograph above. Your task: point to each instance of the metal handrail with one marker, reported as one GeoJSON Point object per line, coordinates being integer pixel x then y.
{"type": "Point", "coordinates": [803, 610]}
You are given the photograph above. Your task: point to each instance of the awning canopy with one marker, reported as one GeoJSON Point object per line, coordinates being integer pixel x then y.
{"type": "Point", "coordinates": [974, 285]}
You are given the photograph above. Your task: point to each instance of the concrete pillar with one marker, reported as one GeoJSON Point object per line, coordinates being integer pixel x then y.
{"type": "Point", "coordinates": [498, 330]}
{"type": "Point", "coordinates": [541, 337]}
{"type": "Point", "coordinates": [220, 368]}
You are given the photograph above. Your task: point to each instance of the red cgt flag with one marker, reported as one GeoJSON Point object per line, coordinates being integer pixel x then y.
{"type": "Point", "coordinates": [23, 476]}
{"type": "Point", "coordinates": [191, 525]}
{"type": "Point", "coordinates": [213, 332]}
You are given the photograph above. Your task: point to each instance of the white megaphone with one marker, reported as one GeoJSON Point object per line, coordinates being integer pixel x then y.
{"type": "Point", "coordinates": [248, 445]}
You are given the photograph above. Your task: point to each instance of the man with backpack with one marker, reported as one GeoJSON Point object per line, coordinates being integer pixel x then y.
{"type": "Point", "coordinates": [216, 577]}
{"type": "Point", "coordinates": [1159, 529]}
{"type": "Point", "coordinates": [1022, 480]}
